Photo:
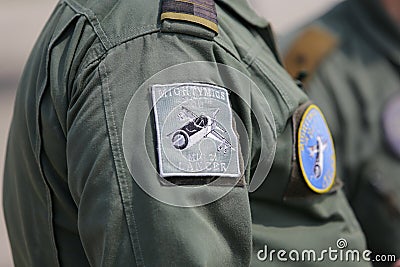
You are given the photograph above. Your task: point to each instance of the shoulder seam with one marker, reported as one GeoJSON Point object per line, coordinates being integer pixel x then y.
{"type": "Point", "coordinates": [96, 25]}
{"type": "Point", "coordinates": [91, 16]}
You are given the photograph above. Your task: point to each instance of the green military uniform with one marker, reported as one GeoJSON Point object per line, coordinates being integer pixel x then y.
{"type": "Point", "coordinates": [354, 76]}
{"type": "Point", "coordinates": [87, 184]}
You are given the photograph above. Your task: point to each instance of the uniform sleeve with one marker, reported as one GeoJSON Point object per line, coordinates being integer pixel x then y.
{"type": "Point", "coordinates": [121, 224]}
{"type": "Point", "coordinates": [345, 88]}
{"type": "Point", "coordinates": [337, 93]}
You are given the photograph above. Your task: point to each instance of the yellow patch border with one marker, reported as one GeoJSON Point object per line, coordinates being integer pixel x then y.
{"type": "Point", "coordinates": [310, 185]}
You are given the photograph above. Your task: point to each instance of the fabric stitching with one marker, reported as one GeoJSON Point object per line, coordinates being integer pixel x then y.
{"type": "Point", "coordinates": [38, 147]}
{"type": "Point", "coordinates": [118, 161]}
{"type": "Point", "coordinates": [91, 16]}
{"type": "Point", "coordinates": [281, 92]}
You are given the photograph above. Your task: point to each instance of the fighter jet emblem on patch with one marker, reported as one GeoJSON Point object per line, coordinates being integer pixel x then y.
{"type": "Point", "coordinates": [316, 151]}
{"type": "Point", "coordinates": [195, 131]}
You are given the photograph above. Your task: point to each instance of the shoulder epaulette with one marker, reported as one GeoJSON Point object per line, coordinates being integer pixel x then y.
{"type": "Point", "coordinates": [202, 12]}
{"type": "Point", "coordinates": [308, 50]}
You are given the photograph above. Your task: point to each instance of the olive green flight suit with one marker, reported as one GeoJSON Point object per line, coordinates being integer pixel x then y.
{"type": "Point", "coordinates": [69, 196]}
{"type": "Point", "coordinates": [353, 85]}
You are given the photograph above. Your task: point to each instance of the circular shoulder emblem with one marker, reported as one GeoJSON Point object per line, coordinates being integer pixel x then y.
{"type": "Point", "coordinates": [316, 151]}
{"type": "Point", "coordinates": [391, 123]}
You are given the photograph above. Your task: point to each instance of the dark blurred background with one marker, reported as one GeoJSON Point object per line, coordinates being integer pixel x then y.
{"type": "Point", "coordinates": [20, 25]}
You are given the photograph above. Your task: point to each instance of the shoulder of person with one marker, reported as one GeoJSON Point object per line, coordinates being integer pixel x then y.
{"type": "Point", "coordinates": [308, 49]}
{"type": "Point", "coordinates": [117, 22]}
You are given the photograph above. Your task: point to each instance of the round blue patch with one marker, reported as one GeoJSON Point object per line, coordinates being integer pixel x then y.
{"type": "Point", "coordinates": [391, 123]}
{"type": "Point", "coordinates": [316, 151]}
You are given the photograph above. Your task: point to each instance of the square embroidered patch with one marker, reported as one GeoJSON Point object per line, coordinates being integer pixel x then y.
{"type": "Point", "coordinates": [195, 131]}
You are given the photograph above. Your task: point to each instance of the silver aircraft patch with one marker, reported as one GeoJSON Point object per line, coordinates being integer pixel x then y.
{"type": "Point", "coordinates": [195, 131]}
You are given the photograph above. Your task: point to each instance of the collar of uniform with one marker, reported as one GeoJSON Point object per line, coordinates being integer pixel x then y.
{"type": "Point", "coordinates": [378, 27]}
{"type": "Point", "coordinates": [243, 9]}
